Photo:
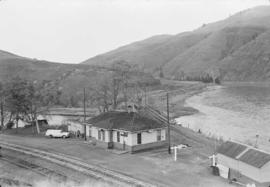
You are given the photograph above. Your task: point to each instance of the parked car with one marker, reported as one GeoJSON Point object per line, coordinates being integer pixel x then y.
{"type": "Point", "coordinates": [56, 133]}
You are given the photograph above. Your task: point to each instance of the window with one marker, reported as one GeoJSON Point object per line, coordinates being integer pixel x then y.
{"type": "Point", "coordinates": [158, 135]}
{"type": "Point", "coordinates": [118, 136]}
{"type": "Point", "coordinates": [139, 138]}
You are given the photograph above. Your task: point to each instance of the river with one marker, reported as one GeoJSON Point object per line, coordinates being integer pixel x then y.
{"type": "Point", "coordinates": [237, 111]}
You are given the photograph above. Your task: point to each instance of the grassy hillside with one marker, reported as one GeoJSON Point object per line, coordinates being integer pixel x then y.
{"type": "Point", "coordinates": [230, 48]}
{"type": "Point", "coordinates": [69, 79]}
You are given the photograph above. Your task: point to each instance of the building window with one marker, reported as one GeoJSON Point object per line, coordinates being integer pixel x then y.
{"type": "Point", "coordinates": [139, 138]}
{"type": "Point", "coordinates": [158, 135]}
{"type": "Point", "coordinates": [118, 136]}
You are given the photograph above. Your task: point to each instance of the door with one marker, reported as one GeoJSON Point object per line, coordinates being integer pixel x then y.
{"type": "Point", "coordinates": [139, 138]}
{"type": "Point", "coordinates": [118, 136]}
{"type": "Point", "coordinates": [110, 144]}
{"type": "Point", "coordinates": [111, 136]}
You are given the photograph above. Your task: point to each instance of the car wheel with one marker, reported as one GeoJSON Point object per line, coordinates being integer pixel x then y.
{"type": "Point", "coordinates": [64, 136]}
{"type": "Point", "coordinates": [51, 136]}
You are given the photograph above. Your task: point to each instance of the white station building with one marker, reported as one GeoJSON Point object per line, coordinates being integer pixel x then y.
{"type": "Point", "coordinates": [129, 131]}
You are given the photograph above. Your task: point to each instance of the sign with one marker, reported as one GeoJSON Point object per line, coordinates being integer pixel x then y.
{"type": "Point", "coordinates": [181, 146]}
{"type": "Point", "coordinates": [125, 134]}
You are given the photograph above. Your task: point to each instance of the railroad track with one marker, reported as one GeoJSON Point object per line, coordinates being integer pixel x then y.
{"type": "Point", "coordinates": [46, 172]}
{"type": "Point", "coordinates": [79, 165]}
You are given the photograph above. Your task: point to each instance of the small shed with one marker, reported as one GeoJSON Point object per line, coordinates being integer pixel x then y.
{"type": "Point", "coordinates": [245, 162]}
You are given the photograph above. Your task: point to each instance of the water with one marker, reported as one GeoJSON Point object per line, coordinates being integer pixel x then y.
{"type": "Point", "coordinates": [237, 111]}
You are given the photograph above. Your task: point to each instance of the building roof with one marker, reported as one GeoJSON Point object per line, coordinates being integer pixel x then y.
{"type": "Point", "coordinates": [231, 149]}
{"type": "Point", "coordinates": [125, 121]}
{"type": "Point", "coordinates": [255, 158]}
{"type": "Point", "coordinates": [244, 153]}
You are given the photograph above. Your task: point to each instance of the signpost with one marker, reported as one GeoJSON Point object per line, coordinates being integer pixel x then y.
{"type": "Point", "coordinates": [125, 134]}
{"type": "Point", "coordinates": [181, 146]}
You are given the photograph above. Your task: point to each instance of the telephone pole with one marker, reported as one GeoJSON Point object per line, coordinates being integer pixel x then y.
{"type": "Point", "coordinates": [2, 112]}
{"type": "Point", "coordinates": [168, 121]}
{"type": "Point", "coordinates": [84, 115]}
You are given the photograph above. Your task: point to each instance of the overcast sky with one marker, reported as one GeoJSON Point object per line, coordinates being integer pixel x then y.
{"type": "Point", "coordinates": [71, 31]}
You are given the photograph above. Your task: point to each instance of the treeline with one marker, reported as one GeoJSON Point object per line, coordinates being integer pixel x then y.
{"type": "Point", "coordinates": [23, 99]}
{"type": "Point", "coordinates": [205, 77]}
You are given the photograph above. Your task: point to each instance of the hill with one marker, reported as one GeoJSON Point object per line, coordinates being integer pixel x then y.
{"type": "Point", "coordinates": [236, 48]}
{"type": "Point", "coordinates": [69, 79]}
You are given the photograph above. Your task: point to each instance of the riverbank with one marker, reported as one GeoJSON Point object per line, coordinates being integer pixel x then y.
{"type": "Point", "coordinates": [178, 91]}
{"type": "Point", "coordinates": [237, 111]}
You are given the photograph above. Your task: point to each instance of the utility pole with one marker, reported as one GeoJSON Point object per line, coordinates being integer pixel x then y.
{"type": "Point", "coordinates": [256, 143]}
{"type": "Point", "coordinates": [168, 121]}
{"type": "Point", "coordinates": [145, 96]}
{"type": "Point", "coordinates": [84, 114]}
{"type": "Point", "coordinates": [2, 112]}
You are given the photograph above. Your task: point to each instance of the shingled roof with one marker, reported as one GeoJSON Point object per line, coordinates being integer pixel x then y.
{"type": "Point", "coordinates": [231, 149]}
{"type": "Point", "coordinates": [255, 158]}
{"type": "Point", "coordinates": [125, 121]}
{"type": "Point", "coordinates": [244, 153]}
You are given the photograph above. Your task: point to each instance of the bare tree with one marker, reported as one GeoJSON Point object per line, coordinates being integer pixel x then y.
{"type": "Point", "coordinates": [118, 85]}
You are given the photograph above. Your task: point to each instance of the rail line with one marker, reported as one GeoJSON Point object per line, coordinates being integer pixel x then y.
{"type": "Point", "coordinates": [77, 164]}
{"type": "Point", "coordinates": [43, 171]}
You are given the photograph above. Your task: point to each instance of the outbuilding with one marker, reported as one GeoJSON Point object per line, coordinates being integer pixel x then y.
{"type": "Point", "coordinates": [129, 131]}
{"type": "Point", "coordinates": [244, 163]}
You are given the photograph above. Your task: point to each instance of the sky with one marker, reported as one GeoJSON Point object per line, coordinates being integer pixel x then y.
{"type": "Point", "coordinates": [71, 31]}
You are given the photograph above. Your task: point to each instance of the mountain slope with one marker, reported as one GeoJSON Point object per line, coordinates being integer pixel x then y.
{"type": "Point", "coordinates": [205, 56]}
{"type": "Point", "coordinates": [213, 48]}
{"type": "Point", "coordinates": [69, 79]}
{"type": "Point", "coordinates": [253, 60]}
{"type": "Point", "coordinates": [6, 55]}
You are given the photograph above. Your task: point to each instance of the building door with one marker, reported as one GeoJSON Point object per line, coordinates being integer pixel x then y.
{"type": "Point", "coordinates": [90, 133]}
{"type": "Point", "coordinates": [110, 144]}
{"type": "Point", "coordinates": [118, 136]}
{"type": "Point", "coordinates": [158, 135]}
{"type": "Point", "coordinates": [139, 138]}
{"type": "Point", "coordinates": [111, 136]}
